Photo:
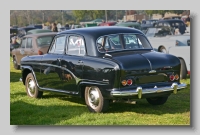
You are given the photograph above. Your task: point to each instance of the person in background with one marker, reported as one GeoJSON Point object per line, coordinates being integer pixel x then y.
{"type": "Point", "coordinates": [187, 21]}
{"type": "Point", "coordinates": [138, 21]}
{"type": "Point", "coordinates": [54, 27]}
{"type": "Point", "coordinates": [14, 44]}
{"type": "Point", "coordinates": [67, 26]}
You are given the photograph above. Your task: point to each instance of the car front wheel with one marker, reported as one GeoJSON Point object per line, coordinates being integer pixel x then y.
{"type": "Point", "coordinates": [31, 87]}
{"type": "Point", "coordinates": [157, 100]}
{"type": "Point", "coordinates": [95, 101]}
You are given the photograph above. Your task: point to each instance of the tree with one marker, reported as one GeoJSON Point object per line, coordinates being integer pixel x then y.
{"type": "Point", "coordinates": [83, 15]}
{"type": "Point", "coordinates": [162, 12]}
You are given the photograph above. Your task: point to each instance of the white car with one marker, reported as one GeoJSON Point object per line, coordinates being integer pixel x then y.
{"type": "Point", "coordinates": [183, 53]}
{"type": "Point", "coordinates": [162, 39]}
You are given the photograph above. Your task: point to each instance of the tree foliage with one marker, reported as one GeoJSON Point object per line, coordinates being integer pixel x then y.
{"type": "Point", "coordinates": [162, 12]}
{"type": "Point", "coordinates": [84, 15]}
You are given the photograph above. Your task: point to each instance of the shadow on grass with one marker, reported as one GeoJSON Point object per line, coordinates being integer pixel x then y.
{"type": "Point", "coordinates": [64, 97]}
{"type": "Point", "coordinates": [14, 77]}
{"type": "Point", "coordinates": [30, 114]}
{"type": "Point", "coordinates": [178, 103]}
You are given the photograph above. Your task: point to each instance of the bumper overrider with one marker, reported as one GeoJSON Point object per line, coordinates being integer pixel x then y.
{"type": "Point", "coordinates": [139, 91]}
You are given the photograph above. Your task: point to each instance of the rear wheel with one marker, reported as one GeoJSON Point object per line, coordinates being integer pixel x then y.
{"type": "Point", "coordinates": [157, 100]}
{"type": "Point", "coordinates": [183, 71]}
{"type": "Point", "coordinates": [95, 101]}
{"type": "Point", "coordinates": [16, 66]}
{"type": "Point", "coordinates": [31, 87]}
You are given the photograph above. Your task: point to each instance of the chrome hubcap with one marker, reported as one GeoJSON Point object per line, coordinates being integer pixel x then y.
{"type": "Point", "coordinates": [31, 87]}
{"type": "Point", "coordinates": [93, 97]}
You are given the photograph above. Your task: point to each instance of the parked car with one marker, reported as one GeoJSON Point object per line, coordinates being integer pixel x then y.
{"type": "Point", "coordinates": [96, 21]}
{"type": "Point", "coordinates": [107, 23]}
{"type": "Point", "coordinates": [163, 38]}
{"type": "Point", "coordinates": [13, 32]}
{"type": "Point", "coordinates": [35, 31]}
{"type": "Point", "coordinates": [183, 53]}
{"type": "Point", "coordinates": [22, 31]}
{"type": "Point", "coordinates": [33, 44]}
{"type": "Point", "coordinates": [64, 28]}
{"type": "Point", "coordinates": [103, 64]}
{"type": "Point", "coordinates": [172, 17]}
{"type": "Point", "coordinates": [172, 23]}
{"type": "Point", "coordinates": [130, 24]}
{"type": "Point", "coordinates": [148, 24]}
{"type": "Point", "coordinates": [38, 26]}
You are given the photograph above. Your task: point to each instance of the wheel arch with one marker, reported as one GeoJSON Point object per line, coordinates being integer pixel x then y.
{"type": "Point", "coordinates": [180, 58]}
{"type": "Point", "coordinates": [82, 86]}
{"type": "Point", "coordinates": [25, 71]}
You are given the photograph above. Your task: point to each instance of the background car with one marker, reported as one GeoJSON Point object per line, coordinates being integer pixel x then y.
{"type": "Point", "coordinates": [13, 32]}
{"type": "Point", "coordinates": [38, 26]}
{"type": "Point", "coordinates": [22, 31]}
{"type": "Point", "coordinates": [148, 24]}
{"type": "Point", "coordinates": [172, 23]}
{"type": "Point", "coordinates": [35, 31]}
{"type": "Point", "coordinates": [130, 25]}
{"type": "Point", "coordinates": [33, 44]}
{"type": "Point", "coordinates": [172, 17]}
{"type": "Point", "coordinates": [107, 23]}
{"type": "Point", "coordinates": [163, 38]}
{"type": "Point", "coordinates": [102, 65]}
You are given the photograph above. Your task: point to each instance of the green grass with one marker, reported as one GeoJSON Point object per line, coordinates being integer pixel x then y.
{"type": "Point", "coordinates": [60, 109]}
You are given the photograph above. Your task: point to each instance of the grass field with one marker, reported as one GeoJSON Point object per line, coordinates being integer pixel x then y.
{"type": "Point", "coordinates": [59, 109]}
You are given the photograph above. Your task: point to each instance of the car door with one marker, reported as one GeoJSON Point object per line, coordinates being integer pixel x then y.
{"type": "Point", "coordinates": [28, 51]}
{"type": "Point", "coordinates": [20, 52]}
{"type": "Point", "coordinates": [72, 63]}
{"type": "Point", "coordinates": [50, 73]}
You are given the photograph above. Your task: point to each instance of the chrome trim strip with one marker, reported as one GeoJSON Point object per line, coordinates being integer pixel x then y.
{"type": "Point", "coordinates": [139, 91]}
{"type": "Point", "coordinates": [54, 90]}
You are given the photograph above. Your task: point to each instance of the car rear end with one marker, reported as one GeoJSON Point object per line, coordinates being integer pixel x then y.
{"type": "Point", "coordinates": [145, 75]}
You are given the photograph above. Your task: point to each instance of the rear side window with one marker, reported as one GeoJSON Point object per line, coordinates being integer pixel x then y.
{"type": "Point", "coordinates": [76, 45]}
{"type": "Point", "coordinates": [124, 42]}
{"type": "Point", "coordinates": [23, 43]}
{"type": "Point", "coordinates": [58, 45]}
{"type": "Point", "coordinates": [29, 43]}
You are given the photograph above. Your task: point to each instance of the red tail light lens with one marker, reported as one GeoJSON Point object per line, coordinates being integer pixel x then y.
{"type": "Point", "coordinates": [171, 77]}
{"type": "Point", "coordinates": [129, 82]}
{"type": "Point", "coordinates": [40, 52]}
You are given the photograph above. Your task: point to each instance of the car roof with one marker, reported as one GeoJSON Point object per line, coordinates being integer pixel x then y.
{"type": "Point", "coordinates": [34, 31]}
{"type": "Point", "coordinates": [41, 34]}
{"type": "Point", "coordinates": [98, 31]}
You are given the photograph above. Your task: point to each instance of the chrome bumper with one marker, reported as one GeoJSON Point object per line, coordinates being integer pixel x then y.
{"type": "Point", "coordinates": [139, 91]}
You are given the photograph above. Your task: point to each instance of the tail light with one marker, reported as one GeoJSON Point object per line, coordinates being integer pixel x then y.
{"type": "Point", "coordinates": [176, 77]}
{"type": "Point", "coordinates": [40, 52]}
{"type": "Point", "coordinates": [127, 82]}
{"type": "Point", "coordinates": [173, 77]}
{"type": "Point", "coordinates": [124, 82]}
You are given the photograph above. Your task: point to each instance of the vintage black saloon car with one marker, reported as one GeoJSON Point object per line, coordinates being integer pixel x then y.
{"type": "Point", "coordinates": [103, 64]}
